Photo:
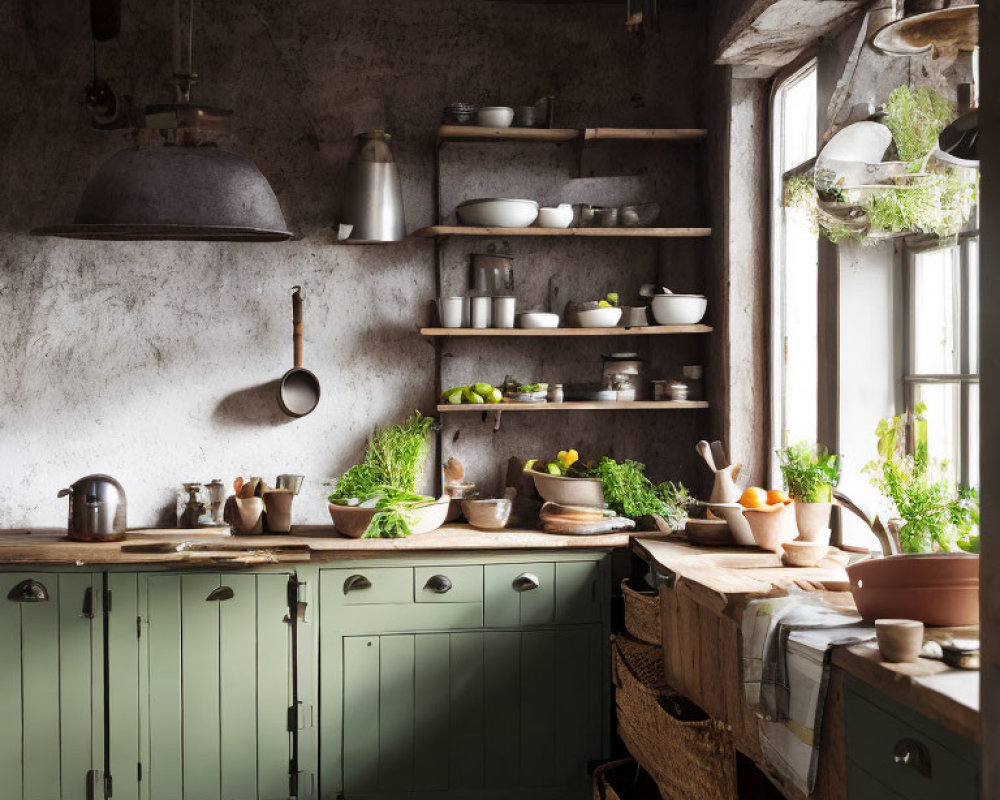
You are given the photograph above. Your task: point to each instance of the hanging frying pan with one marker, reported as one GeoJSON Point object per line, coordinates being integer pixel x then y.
{"type": "Point", "coordinates": [298, 392]}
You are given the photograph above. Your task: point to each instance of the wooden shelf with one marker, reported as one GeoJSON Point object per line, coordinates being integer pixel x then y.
{"type": "Point", "coordinates": [481, 134]}
{"type": "Point", "coordinates": [646, 330]}
{"type": "Point", "coordinates": [623, 233]}
{"type": "Point", "coordinates": [635, 405]}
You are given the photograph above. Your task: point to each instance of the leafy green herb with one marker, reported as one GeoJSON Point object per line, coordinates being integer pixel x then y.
{"type": "Point", "coordinates": [810, 472]}
{"type": "Point", "coordinates": [676, 503]}
{"type": "Point", "coordinates": [935, 513]}
{"type": "Point", "coordinates": [626, 488]}
{"type": "Point", "coordinates": [916, 117]}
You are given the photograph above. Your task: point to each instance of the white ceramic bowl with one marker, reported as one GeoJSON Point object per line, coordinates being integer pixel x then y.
{"type": "Point", "coordinates": [497, 212]}
{"type": "Point", "coordinates": [495, 116]}
{"type": "Point", "coordinates": [732, 513]}
{"type": "Point", "coordinates": [598, 317]}
{"type": "Point", "coordinates": [537, 319]}
{"type": "Point", "coordinates": [568, 491]}
{"type": "Point", "coordinates": [353, 521]}
{"type": "Point", "coordinates": [679, 309]}
{"type": "Point", "coordinates": [559, 217]}
{"type": "Point", "coordinates": [488, 515]}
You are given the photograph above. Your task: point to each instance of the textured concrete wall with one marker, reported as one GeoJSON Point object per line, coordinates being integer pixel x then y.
{"type": "Point", "coordinates": [156, 362]}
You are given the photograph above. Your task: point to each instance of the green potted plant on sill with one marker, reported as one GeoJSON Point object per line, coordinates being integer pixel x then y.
{"type": "Point", "coordinates": [811, 474]}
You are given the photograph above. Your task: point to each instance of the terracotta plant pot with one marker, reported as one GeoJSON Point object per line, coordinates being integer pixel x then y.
{"type": "Point", "coordinates": [812, 520]}
{"type": "Point", "coordinates": [278, 510]}
{"type": "Point", "coordinates": [245, 515]}
{"type": "Point", "coordinates": [933, 588]}
{"type": "Point", "coordinates": [771, 528]}
{"type": "Point", "coordinates": [353, 521]}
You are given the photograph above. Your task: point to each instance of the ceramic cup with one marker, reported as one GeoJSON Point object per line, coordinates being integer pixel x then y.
{"type": "Point", "coordinates": [480, 311]}
{"type": "Point", "coordinates": [812, 519]}
{"type": "Point", "coordinates": [503, 312]}
{"type": "Point", "coordinates": [771, 528]}
{"type": "Point", "coordinates": [452, 311]}
{"type": "Point", "coordinates": [899, 640]}
{"type": "Point", "coordinates": [245, 515]}
{"type": "Point", "coordinates": [634, 317]}
{"type": "Point", "coordinates": [293, 482]}
{"type": "Point", "coordinates": [278, 509]}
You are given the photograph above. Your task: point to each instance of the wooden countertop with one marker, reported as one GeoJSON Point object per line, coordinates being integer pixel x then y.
{"type": "Point", "coordinates": [947, 695]}
{"type": "Point", "coordinates": [725, 578]}
{"type": "Point", "coordinates": [305, 543]}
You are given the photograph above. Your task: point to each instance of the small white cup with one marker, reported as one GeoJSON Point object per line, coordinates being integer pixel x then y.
{"type": "Point", "coordinates": [503, 312]}
{"type": "Point", "coordinates": [480, 314]}
{"type": "Point", "coordinates": [452, 311]}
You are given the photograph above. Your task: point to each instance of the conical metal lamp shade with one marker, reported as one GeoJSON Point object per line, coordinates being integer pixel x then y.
{"type": "Point", "coordinates": [173, 192]}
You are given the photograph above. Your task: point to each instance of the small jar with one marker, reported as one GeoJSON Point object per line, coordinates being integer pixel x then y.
{"type": "Point", "coordinates": [692, 375]}
{"type": "Point", "coordinates": [678, 391]}
{"type": "Point", "coordinates": [556, 393]}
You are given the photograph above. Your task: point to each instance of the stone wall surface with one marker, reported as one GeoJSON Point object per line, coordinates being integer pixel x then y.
{"type": "Point", "coordinates": [157, 362]}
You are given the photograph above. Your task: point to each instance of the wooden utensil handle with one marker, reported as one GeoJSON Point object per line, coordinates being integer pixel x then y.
{"type": "Point", "coordinates": [297, 325]}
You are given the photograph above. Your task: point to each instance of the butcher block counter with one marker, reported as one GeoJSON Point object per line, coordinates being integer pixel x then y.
{"type": "Point", "coordinates": [305, 543]}
{"type": "Point", "coordinates": [703, 593]}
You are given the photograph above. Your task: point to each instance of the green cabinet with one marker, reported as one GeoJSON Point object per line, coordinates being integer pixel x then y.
{"type": "Point", "coordinates": [201, 668]}
{"type": "Point", "coordinates": [454, 679]}
{"type": "Point", "coordinates": [51, 685]}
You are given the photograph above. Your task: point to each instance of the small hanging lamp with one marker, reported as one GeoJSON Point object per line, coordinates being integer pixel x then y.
{"type": "Point", "coordinates": [372, 211]}
{"type": "Point", "coordinates": [186, 188]}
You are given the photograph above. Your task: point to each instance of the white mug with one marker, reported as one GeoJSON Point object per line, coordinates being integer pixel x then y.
{"type": "Point", "coordinates": [480, 315]}
{"type": "Point", "coordinates": [452, 311]}
{"type": "Point", "coordinates": [503, 312]}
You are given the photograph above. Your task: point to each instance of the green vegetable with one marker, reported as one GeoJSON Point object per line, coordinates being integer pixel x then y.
{"type": "Point", "coordinates": [810, 472]}
{"type": "Point", "coordinates": [934, 512]}
{"type": "Point", "coordinates": [470, 396]}
{"type": "Point", "coordinates": [676, 500]}
{"type": "Point", "coordinates": [494, 396]}
{"type": "Point", "coordinates": [612, 298]}
{"type": "Point", "coordinates": [554, 468]}
{"type": "Point", "coordinates": [449, 395]}
{"type": "Point", "coordinates": [916, 117]}
{"type": "Point", "coordinates": [482, 389]}
{"type": "Point", "coordinates": [626, 488]}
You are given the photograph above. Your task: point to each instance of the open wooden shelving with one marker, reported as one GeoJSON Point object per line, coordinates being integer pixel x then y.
{"type": "Point", "coordinates": [633, 405]}
{"type": "Point", "coordinates": [645, 330]}
{"type": "Point", "coordinates": [433, 231]}
{"type": "Point", "coordinates": [459, 133]}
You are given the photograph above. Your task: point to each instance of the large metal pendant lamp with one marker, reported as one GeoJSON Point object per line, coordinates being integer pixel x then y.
{"type": "Point", "coordinates": [185, 188]}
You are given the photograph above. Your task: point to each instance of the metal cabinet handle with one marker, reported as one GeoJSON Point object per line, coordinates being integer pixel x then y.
{"type": "Point", "coordinates": [525, 582]}
{"type": "Point", "coordinates": [88, 603]}
{"type": "Point", "coordinates": [911, 753]}
{"type": "Point", "coordinates": [439, 584]}
{"type": "Point", "coordinates": [29, 591]}
{"type": "Point", "coordinates": [219, 594]}
{"type": "Point", "coordinates": [357, 582]}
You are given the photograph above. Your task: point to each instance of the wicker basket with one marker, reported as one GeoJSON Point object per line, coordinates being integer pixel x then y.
{"type": "Point", "coordinates": [688, 760]}
{"type": "Point", "coordinates": [642, 614]}
{"type": "Point", "coordinates": [623, 780]}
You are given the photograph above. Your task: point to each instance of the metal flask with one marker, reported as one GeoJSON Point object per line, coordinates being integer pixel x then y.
{"type": "Point", "coordinates": [96, 509]}
{"type": "Point", "coordinates": [372, 210]}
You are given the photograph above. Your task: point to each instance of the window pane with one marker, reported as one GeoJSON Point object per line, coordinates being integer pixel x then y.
{"type": "Point", "coordinates": [936, 312]}
{"type": "Point", "coordinates": [944, 436]}
{"type": "Point", "coordinates": [973, 259]}
{"type": "Point", "coordinates": [973, 478]}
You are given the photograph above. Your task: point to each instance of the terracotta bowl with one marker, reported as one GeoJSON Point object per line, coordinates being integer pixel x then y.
{"type": "Point", "coordinates": [800, 553]}
{"type": "Point", "coordinates": [933, 588]}
{"type": "Point", "coordinates": [812, 519]}
{"type": "Point", "coordinates": [771, 528]}
{"type": "Point", "coordinates": [353, 521]}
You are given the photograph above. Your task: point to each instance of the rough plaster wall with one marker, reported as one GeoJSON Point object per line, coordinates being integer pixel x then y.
{"type": "Point", "coordinates": [156, 362]}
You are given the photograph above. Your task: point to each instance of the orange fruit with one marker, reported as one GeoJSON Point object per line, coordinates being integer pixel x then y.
{"type": "Point", "coordinates": [753, 497]}
{"type": "Point", "coordinates": [775, 496]}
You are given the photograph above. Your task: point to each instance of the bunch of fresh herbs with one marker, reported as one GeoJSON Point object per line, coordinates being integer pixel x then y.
{"type": "Point", "coordinates": [630, 493]}
{"type": "Point", "coordinates": [916, 117]}
{"type": "Point", "coordinates": [935, 513]}
{"type": "Point", "coordinates": [810, 472]}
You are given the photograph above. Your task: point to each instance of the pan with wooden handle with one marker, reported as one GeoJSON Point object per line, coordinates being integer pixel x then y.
{"type": "Point", "coordinates": [298, 392]}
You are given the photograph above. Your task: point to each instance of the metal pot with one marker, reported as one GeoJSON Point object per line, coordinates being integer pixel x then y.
{"type": "Point", "coordinates": [373, 196]}
{"type": "Point", "coordinates": [96, 509]}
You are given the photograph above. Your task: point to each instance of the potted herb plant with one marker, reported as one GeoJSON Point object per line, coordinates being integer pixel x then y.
{"type": "Point", "coordinates": [811, 474]}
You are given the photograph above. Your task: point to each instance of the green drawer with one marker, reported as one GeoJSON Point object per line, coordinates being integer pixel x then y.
{"type": "Point", "coordinates": [448, 584]}
{"type": "Point", "coordinates": [862, 786]}
{"type": "Point", "coordinates": [914, 755]}
{"type": "Point", "coordinates": [519, 594]}
{"type": "Point", "coordinates": [578, 596]}
{"type": "Point", "coordinates": [367, 586]}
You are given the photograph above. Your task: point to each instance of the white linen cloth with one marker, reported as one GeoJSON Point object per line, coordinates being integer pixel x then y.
{"type": "Point", "coordinates": [786, 667]}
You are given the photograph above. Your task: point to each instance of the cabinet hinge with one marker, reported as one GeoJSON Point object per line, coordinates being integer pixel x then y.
{"type": "Point", "coordinates": [138, 771]}
{"type": "Point", "coordinates": [138, 627]}
{"type": "Point", "coordinates": [107, 601]}
{"type": "Point", "coordinates": [293, 780]}
{"type": "Point", "coordinates": [108, 785]}
{"type": "Point", "coordinates": [93, 785]}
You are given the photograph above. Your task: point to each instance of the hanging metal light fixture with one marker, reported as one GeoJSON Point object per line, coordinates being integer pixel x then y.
{"type": "Point", "coordinates": [186, 188]}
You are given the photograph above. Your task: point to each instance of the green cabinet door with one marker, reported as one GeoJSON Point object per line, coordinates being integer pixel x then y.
{"type": "Point", "coordinates": [51, 685]}
{"type": "Point", "coordinates": [471, 714]}
{"type": "Point", "coordinates": [213, 687]}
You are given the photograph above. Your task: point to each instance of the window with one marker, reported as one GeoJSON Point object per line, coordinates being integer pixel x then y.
{"type": "Point", "coordinates": [794, 270]}
{"type": "Point", "coordinates": [942, 351]}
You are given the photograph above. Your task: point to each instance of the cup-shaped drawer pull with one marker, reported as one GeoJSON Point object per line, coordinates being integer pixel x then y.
{"type": "Point", "coordinates": [911, 753]}
{"type": "Point", "coordinates": [525, 582]}
{"type": "Point", "coordinates": [356, 583]}
{"type": "Point", "coordinates": [439, 584]}
{"type": "Point", "coordinates": [220, 594]}
{"type": "Point", "coordinates": [29, 591]}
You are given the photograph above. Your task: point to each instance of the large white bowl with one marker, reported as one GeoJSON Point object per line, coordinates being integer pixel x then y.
{"type": "Point", "coordinates": [598, 317]}
{"type": "Point", "coordinates": [495, 116]}
{"type": "Point", "coordinates": [495, 212]}
{"type": "Point", "coordinates": [568, 491]}
{"type": "Point", "coordinates": [537, 319]}
{"type": "Point", "coordinates": [353, 521]}
{"type": "Point", "coordinates": [560, 216]}
{"type": "Point", "coordinates": [679, 309]}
